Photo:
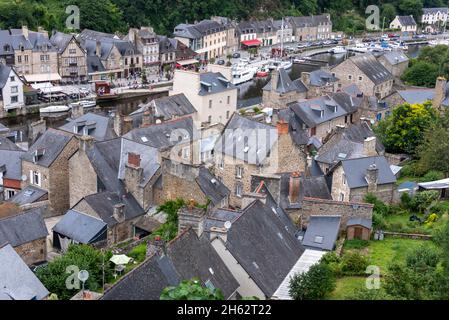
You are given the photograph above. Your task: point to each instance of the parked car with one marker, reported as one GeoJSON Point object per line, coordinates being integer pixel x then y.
{"type": "Point", "coordinates": [221, 62]}
{"type": "Point", "coordinates": [236, 55]}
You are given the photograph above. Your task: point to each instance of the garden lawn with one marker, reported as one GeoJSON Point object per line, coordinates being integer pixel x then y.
{"type": "Point", "coordinates": [401, 223]}
{"type": "Point", "coordinates": [346, 286]}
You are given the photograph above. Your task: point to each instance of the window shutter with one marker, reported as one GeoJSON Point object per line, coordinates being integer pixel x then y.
{"type": "Point", "coordinates": [39, 178]}
{"type": "Point", "coordinates": [31, 177]}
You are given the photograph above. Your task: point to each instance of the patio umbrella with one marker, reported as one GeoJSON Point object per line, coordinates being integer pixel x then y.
{"type": "Point", "coordinates": [120, 259]}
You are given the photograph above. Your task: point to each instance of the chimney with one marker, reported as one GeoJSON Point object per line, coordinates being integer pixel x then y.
{"type": "Point", "coordinates": [156, 246]}
{"type": "Point", "coordinates": [86, 143]}
{"type": "Point", "coordinates": [293, 190]}
{"type": "Point", "coordinates": [440, 92]}
{"type": "Point", "coordinates": [134, 160]}
{"type": "Point", "coordinates": [25, 32]}
{"type": "Point", "coordinates": [282, 127]}
{"type": "Point", "coordinates": [369, 147]}
{"type": "Point", "coordinates": [274, 79]}
{"type": "Point", "coordinates": [249, 198]}
{"type": "Point", "coordinates": [127, 125]}
{"type": "Point", "coordinates": [305, 78]}
{"type": "Point", "coordinates": [372, 173]}
{"type": "Point", "coordinates": [118, 124]}
{"type": "Point", "coordinates": [77, 110]}
{"type": "Point", "coordinates": [119, 212]}
{"type": "Point", "coordinates": [42, 30]}
{"type": "Point", "coordinates": [190, 216]}
{"type": "Point", "coordinates": [146, 118]}
{"type": "Point", "coordinates": [132, 35]}
{"type": "Point", "coordinates": [133, 178]}
{"type": "Point", "coordinates": [36, 128]}
{"type": "Point", "coordinates": [98, 49]}
{"type": "Point", "coordinates": [339, 128]}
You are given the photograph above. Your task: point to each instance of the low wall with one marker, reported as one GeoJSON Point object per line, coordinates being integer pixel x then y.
{"type": "Point", "coordinates": [408, 235]}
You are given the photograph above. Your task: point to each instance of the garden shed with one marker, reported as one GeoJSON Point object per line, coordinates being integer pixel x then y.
{"type": "Point", "coordinates": [358, 228]}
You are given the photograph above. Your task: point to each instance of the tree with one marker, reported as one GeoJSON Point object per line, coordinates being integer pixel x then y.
{"type": "Point", "coordinates": [403, 131]}
{"type": "Point", "coordinates": [84, 257]}
{"type": "Point", "coordinates": [433, 152]}
{"type": "Point", "coordinates": [421, 73]}
{"type": "Point", "coordinates": [411, 7]}
{"type": "Point", "coordinates": [191, 290]}
{"type": "Point", "coordinates": [315, 284]}
{"type": "Point", "coordinates": [169, 229]}
{"type": "Point", "coordinates": [388, 11]}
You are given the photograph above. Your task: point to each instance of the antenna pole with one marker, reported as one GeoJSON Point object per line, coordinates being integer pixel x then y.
{"type": "Point", "coordinates": [102, 264]}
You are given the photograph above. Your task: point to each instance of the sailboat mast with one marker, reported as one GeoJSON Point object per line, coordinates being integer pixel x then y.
{"type": "Point", "coordinates": [282, 37]}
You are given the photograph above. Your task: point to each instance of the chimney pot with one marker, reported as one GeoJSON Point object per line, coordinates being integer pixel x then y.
{"type": "Point", "coordinates": [282, 127]}
{"type": "Point", "coordinates": [134, 160]}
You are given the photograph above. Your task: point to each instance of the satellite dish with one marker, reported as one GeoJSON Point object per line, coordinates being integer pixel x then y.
{"type": "Point", "coordinates": [83, 275]}
{"type": "Point", "coordinates": [24, 177]}
{"type": "Point", "coordinates": [227, 225]}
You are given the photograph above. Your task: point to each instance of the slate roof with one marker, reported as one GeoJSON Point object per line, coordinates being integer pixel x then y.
{"type": "Point", "coordinates": [367, 223]}
{"type": "Point", "coordinates": [322, 232]}
{"type": "Point", "coordinates": [23, 228]}
{"type": "Point", "coordinates": [435, 10]}
{"type": "Point", "coordinates": [347, 101]}
{"type": "Point", "coordinates": [3, 128]}
{"type": "Point", "coordinates": [372, 68]}
{"type": "Point", "coordinates": [53, 142]}
{"type": "Point", "coordinates": [263, 247]}
{"type": "Point", "coordinates": [88, 34]}
{"type": "Point", "coordinates": [13, 164]}
{"type": "Point", "coordinates": [413, 96]}
{"type": "Point", "coordinates": [309, 111]}
{"type": "Point", "coordinates": [167, 108]}
{"type": "Point", "coordinates": [211, 186]}
{"type": "Point", "coordinates": [29, 194]}
{"type": "Point", "coordinates": [163, 135]}
{"type": "Point", "coordinates": [247, 140]}
{"type": "Point", "coordinates": [103, 204]}
{"type": "Point", "coordinates": [147, 281]}
{"type": "Point", "coordinates": [395, 57]}
{"type": "Point", "coordinates": [166, 44]}
{"type": "Point", "coordinates": [214, 82]}
{"type": "Point", "coordinates": [285, 84]}
{"type": "Point", "coordinates": [7, 144]}
{"type": "Point", "coordinates": [94, 64]}
{"type": "Point", "coordinates": [61, 40]}
{"type": "Point", "coordinates": [353, 90]}
{"type": "Point", "coordinates": [198, 30]}
{"type": "Point", "coordinates": [5, 71]}
{"type": "Point", "coordinates": [347, 144]}
{"type": "Point", "coordinates": [17, 281]}
{"type": "Point", "coordinates": [310, 21]}
{"type": "Point", "coordinates": [407, 20]}
{"type": "Point", "coordinates": [355, 171]}
{"type": "Point", "coordinates": [320, 77]}
{"type": "Point", "coordinates": [80, 227]}
{"type": "Point", "coordinates": [99, 127]}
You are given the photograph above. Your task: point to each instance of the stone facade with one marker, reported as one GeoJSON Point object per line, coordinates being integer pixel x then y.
{"type": "Point", "coordinates": [396, 70]}
{"type": "Point", "coordinates": [320, 207]}
{"type": "Point", "coordinates": [72, 63]}
{"type": "Point", "coordinates": [273, 99]}
{"type": "Point", "coordinates": [34, 251]}
{"type": "Point", "coordinates": [54, 179]}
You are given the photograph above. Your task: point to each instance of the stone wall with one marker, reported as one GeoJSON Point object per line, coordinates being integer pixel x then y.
{"type": "Point", "coordinates": [320, 207]}
{"type": "Point", "coordinates": [34, 251]}
{"type": "Point", "coordinates": [385, 192]}
{"type": "Point", "coordinates": [82, 177]}
{"type": "Point", "coordinates": [291, 157]}
{"type": "Point", "coordinates": [339, 185]}
{"type": "Point", "coordinates": [275, 100]}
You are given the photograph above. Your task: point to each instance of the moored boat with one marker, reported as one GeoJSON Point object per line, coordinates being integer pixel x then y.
{"type": "Point", "coordinates": [54, 109]}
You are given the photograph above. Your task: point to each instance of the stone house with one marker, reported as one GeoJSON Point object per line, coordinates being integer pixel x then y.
{"type": "Point", "coordinates": [319, 82]}
{"type": "Point", "coordinates": [97, 126]}
{"type": "Point", "coordinates": [147, 42]}
{"type": "Point", "coordinates": [396, 62]}
{"type": "Point", "coordinates": [207, 38]}
{"type": "Point", "coordinates": [6, 48]}
{"type": "Point", "coordinates": [46, 166]}
{"type": "Point", "coordinates": [248, 147]}
{"type": "Point", "coordinates": [404, 23]}
{"type": "Point", "coordinates": [167, 51]}
{"type": "Point", "coordinates": [246, 32]}
{"type": "Point", "coordinates": [281, 90]}
{"type": "Point", "coordinates": [356, 141]}
{"type": "Point", "coordinates": [167, 264]}
{"type": "Point", "coordinates": [10, 173]}
{"type": "Point", "coordinates": [310, 28]}
{"type": "Point", "coordinates": [353, 179]}
{"type": "Point", "coordinates": [27, 234]}
{"type": "Point", "coordinates": [232, 39]}
{"type": "Point", "coordinates": [186, 181]}
{"type": "Point", "coordinates": [11, 91]}
{"type": "Point", "coordinates": [372, 78]}
{"type": "Point", "coordinates": [284, 31]}
{"type": "Point", "coordinates": [319, 116]}
{"type": "Point", "coordinates": [266, 32]}
{"type": "Point", "coordinates": [72, 58]}
{"type": "Point", "coordinates": [212, 95]}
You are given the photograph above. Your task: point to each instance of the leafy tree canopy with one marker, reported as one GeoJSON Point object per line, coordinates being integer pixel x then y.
{"type": "Point", "coordinates": [191, 290]}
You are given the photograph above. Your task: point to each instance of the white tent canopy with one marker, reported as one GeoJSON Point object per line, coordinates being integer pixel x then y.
{"type": "Point", "coordinates": [120, 259]}
{"type": "Point", "coordinates": [438, 184]}
{"type": "Point", "coordinates": [42, 77]}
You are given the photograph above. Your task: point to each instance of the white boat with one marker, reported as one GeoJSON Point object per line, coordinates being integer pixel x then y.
{"type": "Point", "coordinates": [84, 103]}
{"type": "Point", "coordinates": [338, 50]}
{"type": "Point", "coordinates": [359, 47]}
{"type": "Point", "coordinates": [280, 64]}
{"type": "Point", "coordinates": [243, 74]}
{"type": "Point", "coordinates": [299, 60]}
{"type": "Point", "coordinates": [54, 109]}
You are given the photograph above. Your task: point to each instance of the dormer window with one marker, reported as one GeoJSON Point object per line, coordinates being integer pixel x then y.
{"type": "Point", "coordinates": [321, 113]}
{"type": "Point", "coordinates": [38, 154]}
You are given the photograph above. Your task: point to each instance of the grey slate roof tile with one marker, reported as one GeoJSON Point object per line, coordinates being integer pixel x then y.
{"type": "Point", "coordinates": [372, 68]}
{"type": "Point", "coordinates": [29, 194]}
{"type": "Point", "coordinates": [322, 232]}
{"type": "Point", "coordinates": [355, 171]}
{"type": "Point", "coordinates": [102, 126]}
{"type": "Point", "coordinates": [80, 227]}
{"type": "Point", "coordinates": [285, 84]}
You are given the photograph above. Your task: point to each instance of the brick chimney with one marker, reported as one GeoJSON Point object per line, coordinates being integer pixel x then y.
{"type": "Point", "coordinates": [127, 125]}
{"type": "Point", "coordinates": [119, 212]}
{"type": "Point", "coordinates": [134, 160]}
{"type": "Point", "coordinates": [146, 118]}
{"type": "Point", "coordinates": [86, 143]}
{"type": "Point", "coordinates": [440, 92]}
{"type": "Point", "coordinates": [193, 217]}
{"type": "Point", "coordinates": [372, 174]}
{"type": "Point", "coordinates": [305, 78]}
{"type": "Point", "coordinates": [369, 147]}
{"type": "Point", "coordinates": [133, 178]}
{"type": "Point", "coordinates": [156, 246]}
{"type": "Point", "coordinates": [77, 111]}
{"type": "Point", "coordinates": [118, 124]}
{"type": "Point", "coordinates": [274, 79]}
{"type": "Point", "coordinates": [293, 190]}
{"type": "Point", "coordinates": [282, 127]}
{"type": "Point", "coordinates": [98, 48]}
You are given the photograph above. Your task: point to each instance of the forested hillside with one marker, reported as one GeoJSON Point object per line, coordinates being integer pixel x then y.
{"type": "Point", "coordinates": [163, 15]}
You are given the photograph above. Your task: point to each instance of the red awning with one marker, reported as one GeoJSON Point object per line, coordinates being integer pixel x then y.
{"type": "Point", "coordinates": [251, 43]}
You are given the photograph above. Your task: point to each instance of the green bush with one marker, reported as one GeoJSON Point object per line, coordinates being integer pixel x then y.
{"type": "Point", "coordinates": [409, 170]}
{"type": "Point", "coordinates": [396, 226]}
{"type": "Point", "coordinates": [317, 283]}
{"type": "Point", "coordinates": [423, 200]}
{"type": "Point", "coordinates": [379, 221]}
{"type": "Point", "coordinates": [432, 175]}
{"type": "Point", "coordinates": [379, 207]}
{"type": "Point", "coordinates": [405, 200]}
{"type": "Point", "coordinates": [354, 264]}
{"type": "Point", "coordinates": [441, 207]}
{"type": "Point", "coordinates": [356, 244]}
{"type": "Point", "coordinates": [139, 252]}
{"type": "Point", "coordinates": [330, 257]}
